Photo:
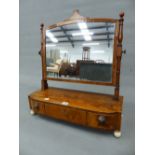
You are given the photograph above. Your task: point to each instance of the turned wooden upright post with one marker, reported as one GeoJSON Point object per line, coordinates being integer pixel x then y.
{"type": "Point", "coordinates": [119, 54]}
{"type": "Point", "coordinates": [44, 84]}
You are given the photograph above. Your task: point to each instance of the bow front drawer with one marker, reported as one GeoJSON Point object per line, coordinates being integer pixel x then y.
{"type": "Point", "coordinates": [66, 113]}
{"type": "Point", "coordinates": [37, 106]}
{"type": "Point", "coordinates": [101, 121]}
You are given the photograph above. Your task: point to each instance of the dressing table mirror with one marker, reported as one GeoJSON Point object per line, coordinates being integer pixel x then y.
{"type": "Point", "coordinates": [80, 51]}
{"type": "Point", "coordinates": [85, 51]}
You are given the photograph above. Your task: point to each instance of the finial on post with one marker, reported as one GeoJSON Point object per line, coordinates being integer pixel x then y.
{"type": "Point", "coordinates": [121, 14]}
{"type": "Point", "coordinates": [41, 26]}
{"type": "Point", "coordinates": [120, 33]}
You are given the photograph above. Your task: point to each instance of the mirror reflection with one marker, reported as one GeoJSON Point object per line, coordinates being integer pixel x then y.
{"type": "Point", "coordinates": [80, 51]}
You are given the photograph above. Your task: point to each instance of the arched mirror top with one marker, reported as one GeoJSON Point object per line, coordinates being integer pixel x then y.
{"type": "Point", "coordinates": [76, 18]}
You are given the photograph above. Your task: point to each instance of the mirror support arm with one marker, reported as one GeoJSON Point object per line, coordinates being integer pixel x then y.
{"type": "Point", "coordinates": [119, 55]}
{"type": "Point", "coordinates": [44, 84]}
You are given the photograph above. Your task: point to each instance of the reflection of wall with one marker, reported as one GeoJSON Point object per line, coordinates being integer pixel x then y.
{"type": "Point", "coordinates": [48, 52]}
{"type": "Point", "coordinates": [52, 54]}
{"type": "Point", "coordinates": [104, 53]}
{"type": "Point", "coordinates": [101, 52]}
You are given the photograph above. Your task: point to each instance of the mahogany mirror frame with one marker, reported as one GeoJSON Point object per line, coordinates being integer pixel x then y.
{"type": "Point", "coordinates": [117, 50]}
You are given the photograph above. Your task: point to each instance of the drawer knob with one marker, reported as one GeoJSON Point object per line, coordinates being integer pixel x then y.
{"type": "Point", "coordinates": [101, 119]}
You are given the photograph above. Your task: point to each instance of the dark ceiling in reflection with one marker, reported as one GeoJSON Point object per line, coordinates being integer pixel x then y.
{"type": "Point", "coordinates": [102, 32]}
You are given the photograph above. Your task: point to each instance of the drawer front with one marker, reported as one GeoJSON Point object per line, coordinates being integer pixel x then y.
{"type": "Point", "coordinates": [37, 107]}
{"type": "Point", "coordinates": [103, 121]}
{"type": "Point", "coordinates": [66, 113]}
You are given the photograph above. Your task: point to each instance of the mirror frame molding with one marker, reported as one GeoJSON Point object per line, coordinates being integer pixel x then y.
{"type": "Point", "coordinates": [117, 50]}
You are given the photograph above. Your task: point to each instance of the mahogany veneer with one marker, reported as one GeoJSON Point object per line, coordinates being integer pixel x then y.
{"type": "Point", "coordinates": [78, 107]}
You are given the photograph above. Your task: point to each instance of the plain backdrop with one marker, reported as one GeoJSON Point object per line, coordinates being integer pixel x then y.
{"type": "Point", "coordinates": [39, 135]}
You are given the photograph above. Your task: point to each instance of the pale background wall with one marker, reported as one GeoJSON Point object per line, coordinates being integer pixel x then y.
{"type": "Point", "coordinates": [40, 136]}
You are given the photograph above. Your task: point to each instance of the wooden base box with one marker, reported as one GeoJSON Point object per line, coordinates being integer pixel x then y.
{"type": "Point", "coordinates": [94, 110]}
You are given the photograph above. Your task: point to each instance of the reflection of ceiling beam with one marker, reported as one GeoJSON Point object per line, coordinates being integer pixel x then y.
{"type": "Point", "coordinates": [108, 34]}
{"type": "Point", "coordinates": [66, 41]}
{"type": "Point", "coordinates": [68, 37]}
{"type": "Point", "coordinates": [95, 34]}
{"type": "Point", "coordinates": [90, 28]}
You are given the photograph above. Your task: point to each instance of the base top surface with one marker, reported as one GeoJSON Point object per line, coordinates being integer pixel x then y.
{"type": "Point", "coordinates": [78, 99]}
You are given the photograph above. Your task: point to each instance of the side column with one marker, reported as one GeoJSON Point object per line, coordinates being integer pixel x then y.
{"type": "Point", "coordinates": [119, 54]}
{"type": "Point", "coordinates": [44, 84]}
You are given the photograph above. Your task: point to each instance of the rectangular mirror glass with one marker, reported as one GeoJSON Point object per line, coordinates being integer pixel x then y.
{"type": "Point", "coordinates": [81, 51]}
